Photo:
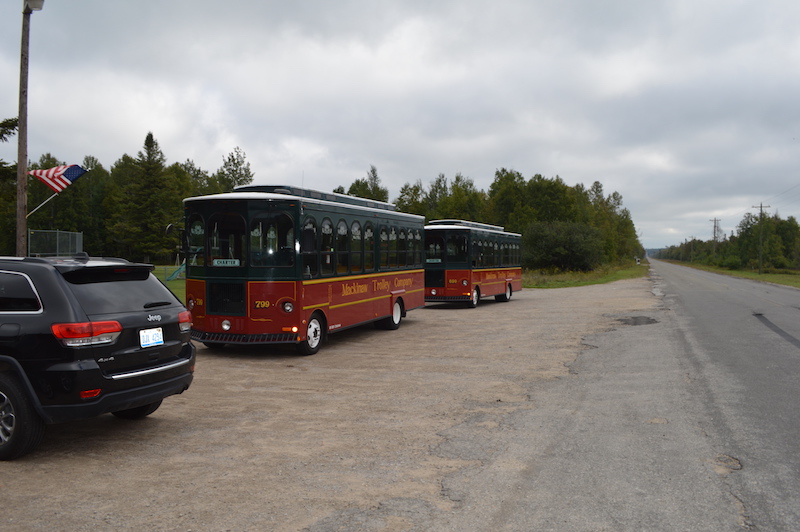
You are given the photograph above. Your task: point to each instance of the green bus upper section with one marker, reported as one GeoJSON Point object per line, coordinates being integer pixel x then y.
{"type": "Point", "coordinates": [459, 244]}
{"type": "Point", "coordinates": [288, 233]}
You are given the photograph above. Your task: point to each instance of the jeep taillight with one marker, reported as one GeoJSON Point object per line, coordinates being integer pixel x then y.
{"type": "Point", "coordinates": [87, 333]}
{"type": "Point", "coordinates": [185, 321]}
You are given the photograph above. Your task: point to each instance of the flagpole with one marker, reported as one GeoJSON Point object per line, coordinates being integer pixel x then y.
{"type": "Point", "coordinates": [40, 205]}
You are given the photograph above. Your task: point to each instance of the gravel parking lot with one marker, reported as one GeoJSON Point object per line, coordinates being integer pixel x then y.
{"type": "Point", "coordinates": [361, 436]}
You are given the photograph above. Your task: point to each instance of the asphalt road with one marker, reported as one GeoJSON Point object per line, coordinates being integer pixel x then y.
{"type": "Point", "coordinates": [743, 341]}
{"type": "Point", "coordinates": [685, 417]}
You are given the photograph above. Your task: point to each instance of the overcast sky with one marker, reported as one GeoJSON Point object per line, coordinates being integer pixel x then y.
{"type": "Point", "coordinates": [688, 109]}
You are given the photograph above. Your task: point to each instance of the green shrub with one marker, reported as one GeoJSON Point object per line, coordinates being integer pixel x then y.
{"type": "Point", "coordinates": [564, 246]}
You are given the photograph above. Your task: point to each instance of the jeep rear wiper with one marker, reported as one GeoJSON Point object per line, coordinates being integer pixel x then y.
{"type": "Point", "coordinates": [157, 304]}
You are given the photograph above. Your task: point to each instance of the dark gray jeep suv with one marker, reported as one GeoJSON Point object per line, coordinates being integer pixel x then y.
{"type": "Point", "coordinates": [84, 336]}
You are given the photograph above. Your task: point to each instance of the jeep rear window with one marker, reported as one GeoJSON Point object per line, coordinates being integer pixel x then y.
{"type": "Point", "coordinates": [113, 290]}
{"type": "Point", "coordinates": [17, 294]}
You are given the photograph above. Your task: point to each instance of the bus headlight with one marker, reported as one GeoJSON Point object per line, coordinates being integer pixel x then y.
{"type": "Point", "coordinates": [288, 307]}
{"type": "Point", "coordinates": [464, 282]}
{"type": "Point", "coordinates": [226, 325]}
{"type": "Point", "coordinates": [433, 291]}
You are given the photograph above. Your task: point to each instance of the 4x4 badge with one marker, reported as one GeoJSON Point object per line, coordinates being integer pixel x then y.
{"type": "Point", "coordinates": [154, 317]}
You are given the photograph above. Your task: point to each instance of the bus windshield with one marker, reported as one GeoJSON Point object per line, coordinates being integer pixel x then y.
{"type": "Point", "coordinates": [446, 247]}
{"type": "Point", "coordinates": [272, 240]}
{"type": "Point", "coordinates": [226, 240]}
{"type": "Point", "coordinates": [269, 241]}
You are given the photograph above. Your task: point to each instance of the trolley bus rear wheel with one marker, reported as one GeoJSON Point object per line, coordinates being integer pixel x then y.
{"type": "Point", "coordinates": [313, 339]}
{"type": "Point", "coordinates": [506, 296]}
{"type": "Point", "coordinates": [392, 322]}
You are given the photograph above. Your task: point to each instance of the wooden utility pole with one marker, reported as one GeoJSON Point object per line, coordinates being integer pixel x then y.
{"type": "Point", "coordinates": [716, 221]}
{"type": "Point", "coordinates": [760, 234]}
{"type": "Point", "coordinates": [22, 137]}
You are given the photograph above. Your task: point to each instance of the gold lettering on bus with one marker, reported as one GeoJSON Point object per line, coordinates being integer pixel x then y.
{"type": "Point", "coordinates": [381, 285]}
{"type": "Point", "coordinates": [354, 288]}
{"type": "Point", "coordinates": [403, 282]}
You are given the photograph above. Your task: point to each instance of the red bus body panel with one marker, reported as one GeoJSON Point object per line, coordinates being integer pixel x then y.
{"type": "Point", "coordinates": [344, 302]}
{"type": "Point", "coordinates": [458, 284]}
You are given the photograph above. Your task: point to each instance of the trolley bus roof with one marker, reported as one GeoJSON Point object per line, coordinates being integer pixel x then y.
{"type": "Point", "coordinates": [288, 193]}
{"type": "Point", "coordinates": [467, 225]}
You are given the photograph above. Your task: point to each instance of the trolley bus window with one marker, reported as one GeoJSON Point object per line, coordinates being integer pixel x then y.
{"type": "Point", "coordinates": [308, 248]}
{"type": "Point", "coordinates": [383, 239]}
{"type": "Point", "coordinates": [477, 254]}
{"type": "Point", "coordinates": [226, 240]}
{"type": "Point", "coordinates": [342, 258]}
{"type": "Point", "coordinates": [355, 247]}
{"type": "Point", "coordinates": [417, 248]}
{"type": "Point", "coordinates": [457, 248]}
{"type": "Point", "coordinates": [272, 240]}
{"type": "Point", "coordinates": [434, 249]}
{"type": "Point", "coordinates": [402, 254]}
{"type": "Point", "coordinates": [326, 247]}
{"type": "Point", "coordinates": [197, 232]}
{"type": "Point", "coordinates": [393, 247]}
{"type": "Point", "coordinates": [369, 248]}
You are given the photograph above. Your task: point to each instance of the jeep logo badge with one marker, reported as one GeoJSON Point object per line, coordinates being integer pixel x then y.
{"type": "Point", "coordinates": [154, 317]}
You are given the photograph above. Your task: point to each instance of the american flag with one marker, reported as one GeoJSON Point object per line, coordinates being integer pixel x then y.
{"type": "Point", "coordinates": [60, 177]}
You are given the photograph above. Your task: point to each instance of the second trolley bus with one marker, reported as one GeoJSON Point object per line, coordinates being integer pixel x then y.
{"type": "Point", "coordinates": [465, 261]}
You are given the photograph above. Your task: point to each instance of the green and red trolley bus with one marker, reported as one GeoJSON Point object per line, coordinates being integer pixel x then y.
{"type": "Point", "coordinates": [282, 264]}
{"type": "Point", "coordinates": [465, 261]}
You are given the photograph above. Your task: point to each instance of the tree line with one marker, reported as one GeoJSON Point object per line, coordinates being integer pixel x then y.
{"type": "Point", "coordinates": [761, 242]}
{"type": "Point", "coordinates": [567, 228]}
{"type": "Point", "coordinates": [124, 210]}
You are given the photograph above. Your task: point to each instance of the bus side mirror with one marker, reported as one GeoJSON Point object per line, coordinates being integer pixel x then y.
{"type": "Point", "coordinates": [183, 236]}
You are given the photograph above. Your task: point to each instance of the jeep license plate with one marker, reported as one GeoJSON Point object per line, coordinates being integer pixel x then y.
{"type": "Point", "coordinates": [151, 337]}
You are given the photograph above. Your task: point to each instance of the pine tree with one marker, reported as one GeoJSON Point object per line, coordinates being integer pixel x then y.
{"type": "Point", "coordinates": [235, 171]}
{"type": "Point", "coordinates": [369, 187]}
{"type": "Point", "coordinates": [149, 197]}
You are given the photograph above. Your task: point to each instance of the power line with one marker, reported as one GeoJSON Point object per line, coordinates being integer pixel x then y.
{"type": "Point", "coordinates": [782, 193]}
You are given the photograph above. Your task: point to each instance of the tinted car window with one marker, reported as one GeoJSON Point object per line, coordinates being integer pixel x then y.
{"type": "Point", "coordinates": [17, 294]}
{"type": "Point", "coordinates": [113, 290]}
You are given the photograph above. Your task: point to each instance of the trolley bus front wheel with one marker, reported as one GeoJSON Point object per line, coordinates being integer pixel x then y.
{"type": "Point", "coordinates": [506, 296]}
{"type": "Point", "coordinates": [476, 296]}
{"type": "Point", "coordinates": [313, 339]}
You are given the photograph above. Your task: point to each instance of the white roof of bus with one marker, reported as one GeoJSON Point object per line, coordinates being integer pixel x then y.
{"type": "Point", "coordinates": [290, 197]}
{"type": "Point", "coordinates": [463, 228]}
{"type": "Point", "coordinates": [499, 230]}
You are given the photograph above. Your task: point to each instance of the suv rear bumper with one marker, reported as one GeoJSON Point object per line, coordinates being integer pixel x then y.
{"type": "Point", "coordinates": [116, 401]}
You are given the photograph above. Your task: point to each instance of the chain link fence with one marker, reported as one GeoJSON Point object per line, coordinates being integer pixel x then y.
{"type": "Point", "coordinates": [46, 243]}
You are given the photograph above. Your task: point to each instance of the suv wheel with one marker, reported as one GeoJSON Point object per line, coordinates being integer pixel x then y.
{"type": "Point", "coordinates": [139, 412]}
{"type": "Point", "coordinates": [21, 428]}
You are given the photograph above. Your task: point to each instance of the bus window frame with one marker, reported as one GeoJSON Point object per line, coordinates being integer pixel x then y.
{"type": "Point", "coordinates": [310, 257]}
{"type": "Point", "coordinates": [241, 243]}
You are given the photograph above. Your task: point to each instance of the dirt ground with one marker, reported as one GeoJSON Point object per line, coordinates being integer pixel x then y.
{"type": "Point", "coordinates": [365, 432]}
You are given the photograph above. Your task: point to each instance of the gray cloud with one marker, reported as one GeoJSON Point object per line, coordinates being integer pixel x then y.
{"type": "Point", "coordinates": [685, 108]}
